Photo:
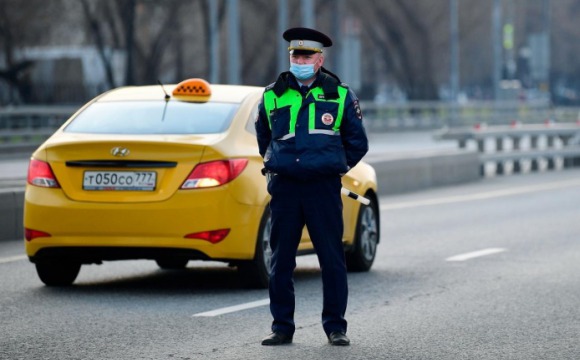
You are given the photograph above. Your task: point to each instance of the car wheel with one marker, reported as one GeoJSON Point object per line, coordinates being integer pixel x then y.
{"type": "Point", "coordinates": [57, 273]}
{"type": "Point", "coordinates": [362, 256]}
{"type": "Point", "coordinates": [256, 273]}
{"type": "Point", "coordinates": [172, 264]}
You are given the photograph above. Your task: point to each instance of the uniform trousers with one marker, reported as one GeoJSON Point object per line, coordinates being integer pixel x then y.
{"type": "Point", "coordinates": [318, 205]}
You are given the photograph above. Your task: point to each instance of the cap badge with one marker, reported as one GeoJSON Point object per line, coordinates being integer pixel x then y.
{"type": "Point", "coordinates": [327, 119]}
{"type": "Point", "coordinates": [300, 43]}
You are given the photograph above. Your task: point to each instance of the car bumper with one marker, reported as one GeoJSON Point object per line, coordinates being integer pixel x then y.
{"type": "Point", "coordinates": [75, 225]}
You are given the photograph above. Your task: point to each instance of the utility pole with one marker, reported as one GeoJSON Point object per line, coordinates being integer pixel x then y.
{"type": "Point", "coordinates": [351, 53]}
{"type": "Point", "coordinates": [214, 35]}
{"type": "Point", "coordinates": [338, 22]}
{"type": "Point", "coordinates": [496, 45]}
{"type": "Point", "coordinates": [307, 7]}
{"type": "Point", "coordinates": [129, 19]}
{"type": "Point", "coordinates": [234, 42]}
{"type": "Point", "coordinates": [547, 30]}
{"type": "Point", "coordinates": [282, 26]}
{"type": "Point", "coordinates": [508, 41]}
{"type": "Point", "coordinates": [454, 59]}
{"type": "Point", "coordinates": [454, 41]}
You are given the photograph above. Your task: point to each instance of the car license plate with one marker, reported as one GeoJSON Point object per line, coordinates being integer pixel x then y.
{"type": "Point", "coordinates": [120, 180]}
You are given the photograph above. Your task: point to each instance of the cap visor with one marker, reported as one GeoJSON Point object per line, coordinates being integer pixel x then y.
{"type": "Point", "coordinates": [302, 52]}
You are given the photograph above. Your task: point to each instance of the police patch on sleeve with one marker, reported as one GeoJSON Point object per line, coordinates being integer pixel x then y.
{"type": "Point", "coordinates": [357, 110]}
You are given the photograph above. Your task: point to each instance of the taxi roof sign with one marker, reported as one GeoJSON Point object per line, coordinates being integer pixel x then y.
{"type": "Point", "coordinates": [195, 90]}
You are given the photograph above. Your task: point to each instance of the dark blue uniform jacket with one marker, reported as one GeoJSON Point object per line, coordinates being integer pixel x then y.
{"type": "Point", "coordinates": [308, 156]}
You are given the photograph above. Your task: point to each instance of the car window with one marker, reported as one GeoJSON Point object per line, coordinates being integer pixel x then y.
{"type": "Point", "coordinates": [154, 117]}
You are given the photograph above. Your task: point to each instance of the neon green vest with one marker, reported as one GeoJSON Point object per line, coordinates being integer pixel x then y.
{"type": "Point", "coordinates": [293, 98]}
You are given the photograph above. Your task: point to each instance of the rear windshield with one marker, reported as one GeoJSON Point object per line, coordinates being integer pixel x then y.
{"type": "Point", "coordinates": [152, 117]}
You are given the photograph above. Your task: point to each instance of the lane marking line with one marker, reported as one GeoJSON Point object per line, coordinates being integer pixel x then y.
{"type": "Point", "coordinates": [13, 258]}
{"type": "Point", "coordinates": [231, 309]}
{"type": "Point", "coordinates": [482, 196]}
{"type": "Point", "coordinates": [474, 254]}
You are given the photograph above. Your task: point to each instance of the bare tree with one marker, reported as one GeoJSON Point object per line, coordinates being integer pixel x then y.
{"type": "Point", "coordinates": [398, 32]}
{"type": "Point", "coordinates": [15, 16]}
{"type": "Point", "coordinates": [144, 29]}
{"type": "Point", "coordinates": [405, 42]}
{"type": "Point", "coordinates": [96, 30]}
{"type": "Point", "coordinates": [259, 63]}
{"type": "Point", "coordinates": [153, 45]}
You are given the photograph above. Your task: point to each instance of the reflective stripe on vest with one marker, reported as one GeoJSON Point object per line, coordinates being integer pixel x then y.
{"type": "Point", "coordinates": [293, 99]}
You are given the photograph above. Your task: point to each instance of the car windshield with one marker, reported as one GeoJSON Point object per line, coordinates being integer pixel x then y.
{"type": "Point", "coordinates": [153, 117]}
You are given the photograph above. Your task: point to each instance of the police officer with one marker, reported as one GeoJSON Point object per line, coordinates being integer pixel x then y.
{"type": "Point", "coordinates": [310, 133]}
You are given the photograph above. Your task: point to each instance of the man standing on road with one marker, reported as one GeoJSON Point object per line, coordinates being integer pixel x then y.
{"type": "Point", "coordinates": [310, 133]}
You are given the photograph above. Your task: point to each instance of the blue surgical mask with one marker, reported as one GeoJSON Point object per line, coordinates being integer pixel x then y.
{"type": "Point", "coordinates": [302, 72]}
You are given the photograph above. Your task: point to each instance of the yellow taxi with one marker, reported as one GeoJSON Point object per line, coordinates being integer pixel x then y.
{"type": "Point", "coordinates": [169, 173]}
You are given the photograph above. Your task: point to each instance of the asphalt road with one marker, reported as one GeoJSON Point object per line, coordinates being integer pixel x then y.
{"type": "Point", "coordinates": [486, 270]}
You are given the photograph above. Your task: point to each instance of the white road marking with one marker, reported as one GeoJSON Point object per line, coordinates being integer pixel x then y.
{"type": "Point", "coordinates": [474, 254]}
{"type": "Point", "coordinates": [13, 258]}
{"type": "Point", "coordinates": [483, 195]}
{"type": "Point", "coordinates": [235, 308]}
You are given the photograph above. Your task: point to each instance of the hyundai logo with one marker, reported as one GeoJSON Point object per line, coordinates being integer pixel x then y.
{"type": "Point", "coordinates": [120, 151]}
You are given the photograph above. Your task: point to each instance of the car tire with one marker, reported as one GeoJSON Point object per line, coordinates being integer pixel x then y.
{"type": "Point", "coordinates": [362, 255]}
{"type": "Point", "coordinates": [172, 264]}
{"type": "Point", "coordinates": [256, 273]}
{"type": "Point", "coordinates": [60, 273]}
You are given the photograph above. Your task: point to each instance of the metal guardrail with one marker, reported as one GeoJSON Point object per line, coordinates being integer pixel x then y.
{"type": "Point", "coordinates": [33, 124]}
{"type": "Point", "coordinates": [435, 115]}
{"type": "Point", "coordinates": [31, 117]}
{"type": "Point", "coordinates": [512, 148]}
{"type": "Point", "coordinates": [22, 129]}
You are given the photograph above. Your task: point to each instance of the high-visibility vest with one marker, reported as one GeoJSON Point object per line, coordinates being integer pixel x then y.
{"type": "Point", "coordinates": [293, 98]}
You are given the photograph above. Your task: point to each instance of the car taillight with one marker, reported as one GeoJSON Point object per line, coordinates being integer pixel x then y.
{"type": "Point", "coordinates": [31, 234]}
{"type": "Point", "coordinates": [214, 173]}
{"type": "Point", "coordinates": [40, 174]}
{"type": "Point", "coordinates": [213, 236]}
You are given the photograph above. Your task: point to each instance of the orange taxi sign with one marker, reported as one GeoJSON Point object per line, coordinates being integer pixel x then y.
{"type": "Point", "coordinates": [197, 90]}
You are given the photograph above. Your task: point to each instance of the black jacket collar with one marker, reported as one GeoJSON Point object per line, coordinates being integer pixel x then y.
{"type": "Point", "coordinates": [325, 79]}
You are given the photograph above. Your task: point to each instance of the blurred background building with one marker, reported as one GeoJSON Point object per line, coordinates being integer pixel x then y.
{"type": "Point", "coordinates": [389, 51]}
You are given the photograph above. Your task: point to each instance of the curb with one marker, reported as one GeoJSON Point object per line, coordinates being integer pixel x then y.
{"type": "Point", "coordinates": [11, 212]}
{"type": "Point", "coordinates": [424, 170]}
